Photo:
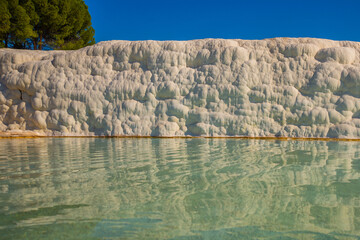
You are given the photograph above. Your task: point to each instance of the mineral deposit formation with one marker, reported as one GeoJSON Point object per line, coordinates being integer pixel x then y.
{"type": "Point", "coordinates": [213, 87]}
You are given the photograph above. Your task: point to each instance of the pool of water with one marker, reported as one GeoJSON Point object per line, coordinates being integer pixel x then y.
{"type": "Point", "coordinates": [151, 188]}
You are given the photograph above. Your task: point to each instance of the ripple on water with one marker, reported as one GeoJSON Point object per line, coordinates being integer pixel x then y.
{"type": "Point", "coordinates": [94, 188]}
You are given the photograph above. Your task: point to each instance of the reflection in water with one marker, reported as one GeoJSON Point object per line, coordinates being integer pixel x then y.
{"type": "Point", "coordinates": [93, 188]}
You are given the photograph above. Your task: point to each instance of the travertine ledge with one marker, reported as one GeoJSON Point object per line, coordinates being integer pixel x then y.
{"type": "Point", "coordinates": [213, 87]}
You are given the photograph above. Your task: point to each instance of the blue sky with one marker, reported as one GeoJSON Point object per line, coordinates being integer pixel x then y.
{"type": "Point", "coordinates": [243, 19]}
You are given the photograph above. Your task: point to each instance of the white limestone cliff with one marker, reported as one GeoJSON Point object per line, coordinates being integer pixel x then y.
{"type": "Point", "coordinates": [213, 87]}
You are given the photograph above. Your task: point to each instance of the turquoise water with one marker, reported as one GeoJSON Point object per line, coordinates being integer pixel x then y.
{"type": "Point", "coordinates": [88, 188]}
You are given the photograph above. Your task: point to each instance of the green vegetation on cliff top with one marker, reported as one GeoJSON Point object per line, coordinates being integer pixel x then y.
{"type": "Point", "coordinates": [45, 24]}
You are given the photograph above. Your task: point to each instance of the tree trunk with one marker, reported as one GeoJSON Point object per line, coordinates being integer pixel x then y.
{"type": "Point", "coordinates": [40, 42]}
{"type": "Point", "coordinates": [6, 40]}
{"type": "Point", "coordinates": [35, 44]}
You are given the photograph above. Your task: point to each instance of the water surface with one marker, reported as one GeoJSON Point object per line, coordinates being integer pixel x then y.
{"type": "Point", "coordinates": [123, 188]}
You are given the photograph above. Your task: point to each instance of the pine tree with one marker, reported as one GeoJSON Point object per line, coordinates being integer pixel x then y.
{"type": "Point", "coordinates": [76, 30]}
{"type": "Point", "coordinates": [29, 6]}
{"type": "Point", "coordinates": [20, 29]}
{"type": "Point", "coordinates": [4, 23]}
{"type": "Point", "coordinates": [51, 24]}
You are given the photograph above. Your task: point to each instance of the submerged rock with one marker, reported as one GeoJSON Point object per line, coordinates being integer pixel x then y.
{"type": "Point", "coordinates": [213, 87]}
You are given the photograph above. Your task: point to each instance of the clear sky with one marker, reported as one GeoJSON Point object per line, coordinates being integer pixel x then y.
{"type": "Point", "coordinates": [243, 19]}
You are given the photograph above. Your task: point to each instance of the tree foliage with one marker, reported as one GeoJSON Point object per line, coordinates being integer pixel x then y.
{"type": "Point", "coordinates": [4, 21]}
{"type": "Point", "coordinates": [45, 24]}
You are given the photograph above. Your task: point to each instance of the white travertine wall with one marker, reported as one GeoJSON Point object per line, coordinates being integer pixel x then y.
{"type": "Point", "coordinates": [212, 87]}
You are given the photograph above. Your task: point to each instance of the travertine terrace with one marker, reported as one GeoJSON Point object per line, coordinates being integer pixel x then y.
{"type": "Point", "coordinates": [213, 87]}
